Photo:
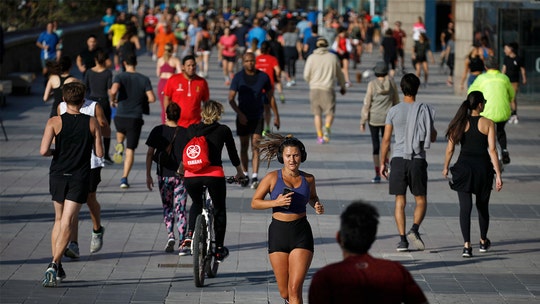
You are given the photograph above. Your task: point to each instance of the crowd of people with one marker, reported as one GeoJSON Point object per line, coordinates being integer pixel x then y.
{"type": "Point", "coordinates": [258, 54]}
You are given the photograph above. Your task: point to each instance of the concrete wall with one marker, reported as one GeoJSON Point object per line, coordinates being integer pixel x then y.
{"type": "Point", "coordinates": [407, 12]}
{"type": "Point", "coordinates": [22, 54]}
{"type": "Point", "coordinates": [464, 25]}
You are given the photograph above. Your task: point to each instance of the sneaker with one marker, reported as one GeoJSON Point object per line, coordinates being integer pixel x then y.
{"type": "Point", "coordinates": [326, 134]}
{"type": "Point", "coordinates": [347, 84]}
{"type": "Point", "coordinates": [293, 82]}
{"type": "Point", "coordinates": [60, 274]}
{"type": "Point", "coordinates": [467, 252]}
{"type": "Point", "coordinates": [185, 249]}
{"type": "Point", "coordinates": [254, 183]}
{"type": "Point", "coordinates": [505, 157]}
{"type": "Point", "coordinates": [282, 98]}
{"type": "Point", "coordinates": [118, 156]}
{"type": "Point", "coordinates": [414, 238]}
{"type": "Point", "coordinates": [221, 253]}
{"type": "Point", "coordinates": [170, 245]}
{"type": "Point", "coordinates": [513, 120]}
{"type": "Point", "coordinates": [320, 140]}
{"type": "Point", "coordinates": [72, 250]}
{"type": "Point", "coordinates": [50, 276]}
{"type": "Point", "coordinates": [402, 246]}
{"type": "Point", "coordinates": [485, 247]}
{"type": "Point", "coordinates": [265, 132]}
{"type": "Point", "coordinates": [97, 240]}
{"type": "Point", "coordinates": [376, 179]}
{"type": "Point", "coordinates": [124, 183]}
{"type": "Point", "coordinates": [289, 84]}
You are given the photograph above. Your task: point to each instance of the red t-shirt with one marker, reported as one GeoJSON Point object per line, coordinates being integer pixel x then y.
{"type": "Point", "coordinates": [266, 63]}
{"type": "Point", "coordinates": [228, 43]}
{"type": "Point", "coordinates": [188, 94]}
{"type": "Point", "coordinates": [399, 35]}
{"type": "Point", "coordinates": [364, 279]}
{"type": "Point", "coordinates": [150, 22]}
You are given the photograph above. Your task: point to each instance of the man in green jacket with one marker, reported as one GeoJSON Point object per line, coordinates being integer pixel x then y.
{"type": "Point", "coordinates": [499, 96]}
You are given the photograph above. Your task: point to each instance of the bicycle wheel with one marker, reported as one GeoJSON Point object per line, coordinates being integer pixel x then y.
{"type": "Point", "coordinates": [212, 266]}
{"type": "Point", "coordinates": [199, 251]}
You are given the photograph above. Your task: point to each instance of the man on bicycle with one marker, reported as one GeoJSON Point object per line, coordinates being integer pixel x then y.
{"type": "Point", "coordinates": [213, 177]}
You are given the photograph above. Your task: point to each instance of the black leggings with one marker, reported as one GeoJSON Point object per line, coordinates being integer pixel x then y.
{"type": "Point", "coordinates": [465, 208]}
{"type": "Point", "coordinates": [218, 192]}
{"type": "Point", "coordinates": [375, 139]}
{"type": "Point", "coordinates": [501, 134]}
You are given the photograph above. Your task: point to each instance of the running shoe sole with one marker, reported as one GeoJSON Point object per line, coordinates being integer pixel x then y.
{"type": "Point", "coordinates": [415, 239]}
{"type": "Point", "coordinates": [50, 278]}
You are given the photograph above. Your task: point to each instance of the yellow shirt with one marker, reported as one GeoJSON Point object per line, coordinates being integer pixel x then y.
{"type": "Point", "coordinates": [118, 31]}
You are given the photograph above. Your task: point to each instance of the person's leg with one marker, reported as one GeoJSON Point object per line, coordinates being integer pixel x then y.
{"type": "Point", "coordinates": [465, 208]}
{"type": "Point", "coordinates": [128, 162]}
{"type": "Point", "coordinates": [69, 215]}
{"type": "Point", "coordinates": [426, 73]}
{"type": "Point", "coordinates": [399, 213]}
{"type": "Point", "coordinates": [482, 206]}
{"type": "Point", "coordinates": [280, 266]}
{"type": "Point", "coordinates": [166, 190]}
{"type": "Point", "coordinates": [95, 211]}
{"type": "Point", "coordinates": [299, 262]}
{"type": "Point", "coordinates": [218, 192]}
{"type": "Point", "coordinates": [419, 209]}
{"type": "Point", "coordinates": [345, 69]}
{"type": "Point", "coordinates": [417, 66]}
{"type": "Point", "coordinates": [195, 190]}
{"type": "Point", "coordinates": [376, 143]}
{"type": "Point", "coordinates": [180, 200]}
{"type": "Point", "coordinates": [255, 139]}
{"type": "Point", "coordinates": [244, 157]}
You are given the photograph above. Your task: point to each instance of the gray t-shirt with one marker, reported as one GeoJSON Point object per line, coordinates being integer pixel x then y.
{"type": "Point", "coordinates": [397, 117]}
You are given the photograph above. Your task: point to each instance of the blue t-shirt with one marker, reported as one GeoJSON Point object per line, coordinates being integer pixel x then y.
{"type": "Point", "coordinates": [251, 91]}
{"type": "Point", "coordinates": [108, 20]}
{"type": "Point", "coordinates": [50, 39]}
{"type": "Point", "coordinates": [258, 33]}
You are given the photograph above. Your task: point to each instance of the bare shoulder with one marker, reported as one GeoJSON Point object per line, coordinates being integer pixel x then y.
{"type": "Point", "coordinates": [308, 176]}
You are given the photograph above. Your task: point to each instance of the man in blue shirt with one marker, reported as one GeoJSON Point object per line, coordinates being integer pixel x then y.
{"type": "Point", "coordinates": [256, 32]}
{"type": "Point", "coordinates": [254, 89]}
{"type": "Point", "coordinates": [47, 42]}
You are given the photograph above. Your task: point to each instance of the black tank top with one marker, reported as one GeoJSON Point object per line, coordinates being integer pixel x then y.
{"type": "Point", "coordinates": [476, 64]}
{"type": "Point", "coordinates": [73, 144]}
{"type": "Point", "coordinates": [474, 142]}
{"type": "Point", "coordinates": [57, 94]}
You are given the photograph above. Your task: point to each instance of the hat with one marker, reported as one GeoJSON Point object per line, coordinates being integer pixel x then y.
{"type": "Point", "coordinates": [381, 68]}
{"type": "Point", "coordinates": [321, 42]}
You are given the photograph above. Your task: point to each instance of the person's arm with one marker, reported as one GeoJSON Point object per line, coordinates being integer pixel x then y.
{"type": "Point", "coordinates": [48, 136]}
{"type": "Point", "coordinates": [448, 157]}
{"type": "Point", "coordinates": [465, 73]}
{"type": "Point", "coordinates": [523, 75]}
{"type": "Point", "coordinates": [159, 63]}
{"type": "Point", "coordinates": [96, 132]}
{"type": "Point", "coordinates": [314, 198]}
{"type": "Point", "coordinates": [166, 101]}
{"type": "Point", "coordinates": [113, 91]}
{"type": "Point", "coordinates": [503, 70]}
{"type": "Point", "coordinates": [80, 64]}
{"type": "Point", "coordinates": [385, 147]}
{"type": "Point", "coordinates": [492, 150]}
{"type": "Point", "coordinates": [151, 97]}
{"type": "Point", "coordinates": [242, 119]}
{"type": "Point", "coordinates": [365, 109]}
{"type": "Point", "coordinates": [48, 89]}
{"type": "Point", "coordinates": [135, 41]}
{"type": "Point", "coordinates": [267, 183]}
{"type": "Point", "coordinates": [149, 180]}
{"type": "Point", "coordinates": [430, 53]}
{"type": "Point", "coordinates": [102, 120]}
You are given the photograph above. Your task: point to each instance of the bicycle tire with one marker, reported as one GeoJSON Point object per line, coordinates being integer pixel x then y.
{"type": "Point", "coordinates": [199, 251]}
{"type": "Point", "coordinates": [212, 267]}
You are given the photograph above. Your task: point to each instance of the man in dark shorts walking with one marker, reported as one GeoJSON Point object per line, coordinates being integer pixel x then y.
{"type": "Point", "coordinates": [254, 89]}
{"type": "Point", "coordinates": [134, 92]}
{"type": "Point", "coordinates": [414, 131]}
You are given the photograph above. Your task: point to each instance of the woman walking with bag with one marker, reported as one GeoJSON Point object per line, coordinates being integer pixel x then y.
{"type": "Point", "coordinates": [165, 144]}
{"type": "Point", "coordinates": [473, 171]}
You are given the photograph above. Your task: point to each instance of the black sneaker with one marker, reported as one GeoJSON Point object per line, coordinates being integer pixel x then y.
{"type": "Point", "coordinates": [50, 276]}
{"type": "Point", "coordinates": [467, 252]}
{"type": "Point", "coordinates": [402, 246]}
{"type": "Point", "coordinates": [60, 274]}
{"type": "Point", "coordinates": [222, 253]}
{"type": "Point", "coordinates": [505, 157]}
{"type": "Point", "coordinates": [485, 247]}
{"type": "Point", "coordinates": [414, 238]}
{"type": "Point", "coordinates": [254, 183]}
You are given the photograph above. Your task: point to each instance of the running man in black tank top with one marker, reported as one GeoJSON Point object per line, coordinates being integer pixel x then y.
{"type": "Point", "coordinates": [75, 134]}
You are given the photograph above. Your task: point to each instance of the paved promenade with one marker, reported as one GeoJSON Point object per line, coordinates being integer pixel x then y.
{"type": "Point", "coordinates": [132, 267]}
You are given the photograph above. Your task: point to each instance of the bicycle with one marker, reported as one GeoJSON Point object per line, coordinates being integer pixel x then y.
{"type": "Point", "coordinates": [203, 245]}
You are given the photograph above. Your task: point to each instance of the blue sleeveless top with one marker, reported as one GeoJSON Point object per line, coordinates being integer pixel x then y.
{"type": "Point", "coordinates": [300, 197]}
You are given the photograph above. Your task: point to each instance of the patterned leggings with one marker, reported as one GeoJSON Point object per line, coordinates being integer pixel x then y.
{"type": "Point", "coordinates": [173, 196]}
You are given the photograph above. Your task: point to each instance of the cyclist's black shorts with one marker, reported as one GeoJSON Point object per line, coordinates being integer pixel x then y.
{"type": "Point", "coordinates": [286, 236]}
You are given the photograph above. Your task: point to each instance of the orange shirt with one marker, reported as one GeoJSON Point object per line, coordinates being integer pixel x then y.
{"type": "Point", "coordinates": [162, 38]}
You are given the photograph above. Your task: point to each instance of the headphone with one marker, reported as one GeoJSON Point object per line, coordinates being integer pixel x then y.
{"type": "Point", "coordinates": [292, 141]}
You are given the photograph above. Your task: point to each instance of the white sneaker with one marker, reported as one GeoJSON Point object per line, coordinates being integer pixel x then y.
{"type": "Point", "coordinates": [513, 120]}
{"type": "Point", "coordinates": [97, 241]}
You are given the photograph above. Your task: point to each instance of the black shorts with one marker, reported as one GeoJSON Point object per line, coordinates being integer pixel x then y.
{"type": "Point", "coordinates": [67, 188]}
{"type": "Point", "coordinates": [95, 179]}
{"type": "Point", "coordinates": [286, 236]}
{"type": "Point", "coordinates": [252, 127]}
{"type": "Point", "coordinates": [229, 58]}
{"type": "Point", "coordinates": [131, 128]}
{"type": "Point", "coordinates": [408, 173]}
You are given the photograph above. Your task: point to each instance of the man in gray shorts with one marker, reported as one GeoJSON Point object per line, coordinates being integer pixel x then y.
{"type": "Point", "coordinates": [321, 68]}
{"type": "Point", "coordinates": [414, 131]}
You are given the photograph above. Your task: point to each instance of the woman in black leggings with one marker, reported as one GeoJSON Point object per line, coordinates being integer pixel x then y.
{"type": "Point", "coordinates": [473, 171]}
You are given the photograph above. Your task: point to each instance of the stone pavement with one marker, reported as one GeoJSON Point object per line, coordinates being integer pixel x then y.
{"type": "Point", "coordinates": [132, 267]}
